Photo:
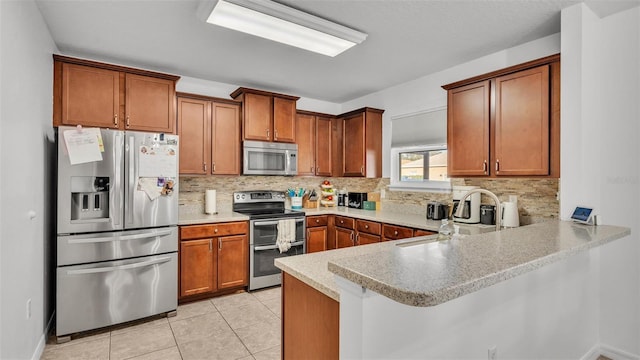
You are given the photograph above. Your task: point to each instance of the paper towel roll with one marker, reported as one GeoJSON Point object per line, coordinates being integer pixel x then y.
{"type": "Point", "coordinates": [210, 202]}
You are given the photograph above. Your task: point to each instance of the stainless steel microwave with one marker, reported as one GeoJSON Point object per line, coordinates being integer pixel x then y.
{"type": "Point", "coordinates": [269, 158]}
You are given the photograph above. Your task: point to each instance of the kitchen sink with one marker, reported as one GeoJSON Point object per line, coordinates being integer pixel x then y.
{"type": "Point", "coordinates": [419, 241]}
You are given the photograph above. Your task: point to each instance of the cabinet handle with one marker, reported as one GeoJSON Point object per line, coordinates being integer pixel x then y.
{"type": "Point", "coordinates": [275, 134]}
{"type": "Point", "coordinates": [318, 169]}
{"type": "Point", "coordinates": [497, 165]}
{"type": "Point", "coordinates": [204, 166]}
{"type": "Point", "coordinates": [308, 235]}
{"type": "Point", "coordinates": [357, 239]}
{"type": "Point", "coordinates": [484, 167]}
{"type": "Point", "coordinates": [268, 134]}
{"type": "Point", "coordinates": [127, 121]}
{"type": "Point", "coordinates": [213, 166]}
{"type": "Point", "coordinates": [115, 120]}
{"type": "Point", "coordinates": [219, 244]}
{"type": "Point", "coordinates": [210, 246]}
{"type": "Point", "coordinates": [362, 170]}
{"type": "Point", "coordinates": [311, 169]}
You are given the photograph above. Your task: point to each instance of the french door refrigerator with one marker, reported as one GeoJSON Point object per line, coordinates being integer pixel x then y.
{"type": "Point", "coordinates": [117, 215]}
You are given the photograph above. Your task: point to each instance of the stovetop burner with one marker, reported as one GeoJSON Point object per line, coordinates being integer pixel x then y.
{"type": "Point", "coordinates": [262, 204]}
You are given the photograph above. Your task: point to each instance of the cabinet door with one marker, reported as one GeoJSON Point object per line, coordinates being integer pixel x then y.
{"type": "Point", "coordinates": [90, 96]}
{"type": "Point", "coordinates": [197, 267]}
{"type": "Point", "coordinates": [353, 138]}
{"type": "Point", "coordinates": [258, 117]}
{"type": "Point", "coordinates": [306, 136]}
{"type": "Point", "coordinates": [522, 123]}
{"type": "Point", "coordinates": [323, 150]}
{"type": "Point", "coordinates": [344, 237]}
{"type": "Point", "coordinates": [468, 130]}
{"type": "Point", "coordinates": [232, 261]}
{"type": "Point", "coordinates": [316, 239]}
{"type": "Point", "coordinates": [225, 147]}
{"type": "Point", "coordinates": [284, 120]}
{"type": "Point", "coordinates": [193, 124]}
{"type": "Point", "coordinates": [149, 104]}
{"type": "Point", "coordinates": [364, 239]}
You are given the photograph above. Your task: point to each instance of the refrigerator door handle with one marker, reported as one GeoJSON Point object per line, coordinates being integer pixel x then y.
{"type": "Point", "coordinates": [119, 238]}
{"type": "Point", "coordinates": [131, 186]}
{"type": "Point", "coordinates": [120, 267]}
{"type": "Point", "coordinates": [115, 192]}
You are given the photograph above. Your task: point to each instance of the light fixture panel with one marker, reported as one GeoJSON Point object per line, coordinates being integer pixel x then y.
{"type": "Point", "coordinates": [289, 31]}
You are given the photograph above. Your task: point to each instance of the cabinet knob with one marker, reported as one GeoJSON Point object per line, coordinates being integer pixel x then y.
{"type": "Point", "coordinates": [341, 221]}
{"type": "Point", "coordinates": [395, 232]}
{"type": "Point", "coordinates": [215, 230]}
{"type": "Point", "coordinates": [366, 226]}
{"type": "Point", "coordinates": [317, 220]}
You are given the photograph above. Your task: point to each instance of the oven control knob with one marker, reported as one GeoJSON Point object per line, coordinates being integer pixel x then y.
{"type": "Point", "coordinates": [242, 196]}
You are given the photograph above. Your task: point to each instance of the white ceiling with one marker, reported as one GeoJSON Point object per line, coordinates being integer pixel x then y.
{"type": "Point", "coordinates": [407, 39]}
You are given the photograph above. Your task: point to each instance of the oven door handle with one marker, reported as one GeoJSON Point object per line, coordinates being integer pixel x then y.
{"type": "Point", "coordinates": [263, 223]}
{"type": "Point", "coordinates": [273, 247]}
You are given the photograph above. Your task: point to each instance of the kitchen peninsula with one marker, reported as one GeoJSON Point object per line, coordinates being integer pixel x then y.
{"type": "Point", "coordinates": [523, 290]}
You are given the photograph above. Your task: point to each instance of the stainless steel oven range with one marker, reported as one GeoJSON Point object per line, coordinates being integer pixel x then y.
{"type": "Point", "coordinates": [266, 210]}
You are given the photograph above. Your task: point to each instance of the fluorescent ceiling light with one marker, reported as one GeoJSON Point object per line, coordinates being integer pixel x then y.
{"type": "Point", "coordinates": [273, 21]}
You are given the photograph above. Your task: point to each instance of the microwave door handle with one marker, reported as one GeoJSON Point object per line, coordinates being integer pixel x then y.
{"type": "Point", "coordinates": [287, 168]}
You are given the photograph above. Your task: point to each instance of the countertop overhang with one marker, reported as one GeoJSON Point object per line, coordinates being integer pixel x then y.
{"type": "Point", "coordinates": [434, 272]}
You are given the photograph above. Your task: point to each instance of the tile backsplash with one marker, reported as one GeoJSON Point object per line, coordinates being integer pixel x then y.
{"type": "Point", "coordinates": [536, 197]}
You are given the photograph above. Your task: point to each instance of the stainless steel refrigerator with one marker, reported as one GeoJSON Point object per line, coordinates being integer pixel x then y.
{"type": "Point", "coordinates": [117, 216]}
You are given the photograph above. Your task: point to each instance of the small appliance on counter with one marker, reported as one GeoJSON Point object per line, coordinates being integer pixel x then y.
{"type": "Point", "coordinates": [488, 214]}
{"type": "Point", "coordinates": [437, 210]}
{"type": "Point", "coordinates": [510, 216]}
{"type": "Point", "coordinates": [342, 197]}
{"type": "Point", "coordinates": [471, 213]}
{"type": "Point", "coordinates": [356, 200]}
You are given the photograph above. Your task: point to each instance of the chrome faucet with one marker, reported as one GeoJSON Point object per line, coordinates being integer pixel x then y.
{"type": "Point", "coordinates": [498, 212]}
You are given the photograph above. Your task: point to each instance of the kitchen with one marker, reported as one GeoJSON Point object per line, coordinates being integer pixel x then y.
{"type": "Point", "coordinates": [593, 170]}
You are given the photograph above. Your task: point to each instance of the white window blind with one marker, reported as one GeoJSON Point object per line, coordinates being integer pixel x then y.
{"type": "Point", "coordinates": [422, 128]}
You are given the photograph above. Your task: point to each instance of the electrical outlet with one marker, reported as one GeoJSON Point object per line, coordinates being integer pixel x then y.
{"type": "Point", "coordinates": [493, 353]}
{"type": "Point", "coordinates": [382, 193]}
{"type": "Point", "coordinates": [28, 309]}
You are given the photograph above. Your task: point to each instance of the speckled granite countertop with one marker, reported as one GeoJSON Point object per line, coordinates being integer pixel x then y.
{"type": "Point", "coordinates": [434, 272]}
{"type": "Point", "coordinates": [195, 219]}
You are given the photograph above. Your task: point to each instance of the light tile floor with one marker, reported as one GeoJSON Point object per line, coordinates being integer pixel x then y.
{"type": "Point", "coordinates": [239, 326]}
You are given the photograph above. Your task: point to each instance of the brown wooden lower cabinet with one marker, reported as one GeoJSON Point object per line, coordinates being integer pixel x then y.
{"type": "Point", "coordinates": [310, 322]}
{"type": "Point", "coordinates": [213, 258]}
{"type": "Point", "coordinates": [344, 237]}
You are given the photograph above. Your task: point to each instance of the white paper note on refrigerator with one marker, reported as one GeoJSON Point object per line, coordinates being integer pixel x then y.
{"type": "Point", "coordinates": [83, 145]}
{"type": "Point", "coordinates": [157, 161]}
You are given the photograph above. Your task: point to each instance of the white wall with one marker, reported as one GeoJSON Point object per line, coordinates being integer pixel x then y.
{"type": "Point", "coordinates": [426, 92]}
{"type": "Point", "coordinates": [26, 156]}
{"type": "Point", "coordinates": [600, 155]}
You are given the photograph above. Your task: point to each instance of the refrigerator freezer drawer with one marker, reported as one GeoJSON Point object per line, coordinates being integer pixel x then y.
{"type": "Point", "coordinates": [87, 248]}
{"type": "Point", "coordinates": [102, 294]}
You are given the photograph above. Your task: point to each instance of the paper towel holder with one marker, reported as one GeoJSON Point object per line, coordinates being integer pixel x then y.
{"type": "Point", "coordinates": [210, 202]}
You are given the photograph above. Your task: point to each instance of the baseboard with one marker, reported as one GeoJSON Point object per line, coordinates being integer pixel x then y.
{"type": "Point", "coordinates": [610, 352]}
{"type": "Point", "coordinates": [37, 354]}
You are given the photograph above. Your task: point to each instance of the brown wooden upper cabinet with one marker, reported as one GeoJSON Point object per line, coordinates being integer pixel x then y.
{"type": "Point", "coordinates": [362, 143]}
{"type": "Point", "coordinates": [213, 129]}
{"type": "Point", "coordinates": [506, 123]}
{"type": "Point", "coordinates": [96, 94]}
{"type": "Point", "coordinates": [314, 139]}
{"type": "Point", "coordinates": [267, 116]}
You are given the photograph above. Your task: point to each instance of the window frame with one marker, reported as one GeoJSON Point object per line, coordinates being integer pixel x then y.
{"type": "Point", "coordinates": [440, 186]}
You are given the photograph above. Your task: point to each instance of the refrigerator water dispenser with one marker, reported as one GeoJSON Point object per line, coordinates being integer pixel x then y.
{"type": "Point", "coordinates": [89, 198]}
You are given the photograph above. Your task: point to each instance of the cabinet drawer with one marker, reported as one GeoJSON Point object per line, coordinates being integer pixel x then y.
{"type": "Point", "coordinates": [393, 232]}
{"type": "Point", "coordinates": [212, 230]}
{"type": "Point", "coordinates": [369, 227]}
{"type": "Point", "coordinates": [345, 222]}
{"type": "Point", "coordinates": [420, 232]}
{"type": "Point", "coordinates": [318, 220]}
